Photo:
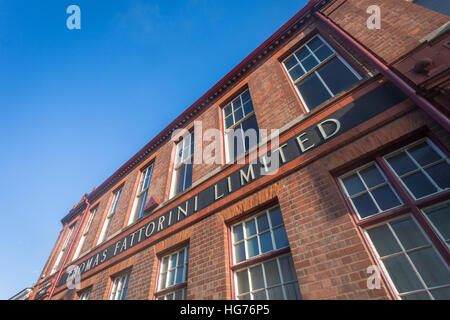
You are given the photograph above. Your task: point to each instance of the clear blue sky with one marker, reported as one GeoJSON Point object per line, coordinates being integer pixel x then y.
{"type": "Point", "coordinates": [76, 104]}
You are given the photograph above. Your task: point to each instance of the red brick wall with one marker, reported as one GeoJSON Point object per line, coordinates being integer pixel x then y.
{"type": "Point", "coordinates": [403, 24]}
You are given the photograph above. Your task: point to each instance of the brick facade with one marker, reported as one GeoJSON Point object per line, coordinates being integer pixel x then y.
{"type": "Point", "coordinates": [327, 247]}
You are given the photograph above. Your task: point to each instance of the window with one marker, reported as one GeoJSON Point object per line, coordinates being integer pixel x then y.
{"type": "Point", "coordinates": [85, 294]}
{"type": "Point", "coordinates": [369, 191]}
{"type": "Point", "coordinates": [422, 168]}
{"type": "Point", "coordinates": [173, 276]}
{"type": "Point", "coordinates": [439, 217]}
{"type": "Point", "coordinates": [120, 287]}
{"type": "Point", "coordinates": [241, 127]}
{"type": "Point", "coordinates": [141, 195]}
{"type": "Point", "coordinates": [111, 212]}
{"type": "Point", "coordinates": [409, 225]}
{"type": "Point", "coordinates": [318, 73]}
{"type": "Point", "coordinates": [440, 6]}
{"type": "Point", "coordinates": [182, 173]}
{"type": "Point", "coordinates": [84, 235]}
{"type": "Point", "coordinates": [261, 236]}
{"type": "Point", "coordinates": [63, 249]}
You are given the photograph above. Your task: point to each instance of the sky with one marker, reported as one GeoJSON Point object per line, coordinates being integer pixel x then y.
{"type": "Point", "coordinates": [77, 104]}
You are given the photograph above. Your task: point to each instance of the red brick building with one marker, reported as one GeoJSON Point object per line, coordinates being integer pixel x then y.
{"type": "Point", "coordinates": [362, 185]}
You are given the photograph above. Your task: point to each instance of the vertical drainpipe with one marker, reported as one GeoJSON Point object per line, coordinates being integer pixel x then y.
{"type": "Point", "coordinates": [424, 104]}
{"type": "Point", "coordinates": [70, 248]}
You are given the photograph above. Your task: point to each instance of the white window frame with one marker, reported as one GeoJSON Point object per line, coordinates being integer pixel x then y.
{"type": "Point", "coordinates": [257, 235]}
{"type": "Point", "coordinates": [84, 234]}
{"type": "Point", "coordinates": [119, 285]}
{"type": "Point", "coordinates": [141, 192]}
{"type": "Point", "coordinates": [314, 70]}
{"type": "Point", "coordinates": [266, 287]}
{"type": "Point", "coordinates": [369, 190]}
{"type": "Point", "coordinates": [419, 167]}
{"type": "Point", "coordinates": [112, 210]}
{"type": "Point", "coordinates": [405, 253]}
{"type": "Point", "coordinates": [167, 285]}
{"type": "Point", "coordinates": [236, 124]}
{"type": "Point", "coordinates": [187, 140]}
{"type": "Point", "coordinates": [63, 249]}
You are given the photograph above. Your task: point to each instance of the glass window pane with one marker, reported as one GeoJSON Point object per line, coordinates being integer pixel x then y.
{"type": "Point", "coordinates": [296, 73]}
{"type": "Point", "coordinates": [173, 261]}
{"type": "Point", "coordinates": [372, 176]}
{"type": "Point", "coordinates": [309, 63]}
{"type": "Point", "coordinates": [440, 217]}
{"type": "Point", "coordinates": [238, 114]}
{"type": "Point", "coordinates": [292, 291]}
{"type": "Point", "coordinates": [301, 54]}
{"type": "Point", "coordinates": [323, 53]}
{"type": "Point", "coordinates": [383, 240]}
{"type": "Point", "coordinates": [272, 274]}
{"type": "Point", "coordinates": [180, 274]}
{"type": "Point", "coordinates": [239, 252]}
{"type": "Point", "coordinates": [402, 274]}
{"type": "Point", "coordinates": [440, 173]}
{"type": "Point", "coordinates": [287, 269]}
{"type": "Point", "coordinates": [353, 184]}
{"type": "Point", "coordinates": [257, 278]}
{"type": "Point", "coordinates": [188, 178]}
{"type": "Point", "coordinates": [315, 43]}
{"type": "Point", "coordinates": [385, 198]}
{"type": "Point", "coordinates": [417, 296]}
{"type": "Point", "coordinates": [275, 293]}
{"type": "Point", "coordinates": [250, 127]}
{"type": "Point", "coordinates": [228, 121]}
{"type": "Point", "coordinates": [250, 228]}
{"type": "Point", "coordinates": [261, 295]}
{"type": "Point", "coordinates": [248, 107]}
{"type": "Point", "coordinates": [365, 206]}
{"type": "Point", "coordinates": [227, 110]}
{"type": "Point", "coordinates": [281, 240]}
{"type": "Point", "coordinates": [419, 185]}
{"type": "Point", "coordinates": [242, 281]}
{"type": "Point", "coordinates": [171, 277]}
{"type": "Point", "coordinates": [179, 294]}
{"type": "Point", "coordinates": [312, 91]}
{"type": "Point", "coordinates": [441, 294]}
{"type": "Point", "coordinates": [252, 247]}
{"type": "Point", "coordinates": [431, 267]}
{"type": "Point", "coordinates": [337, 76]}
{"type": "Point", "coordinates": [275, 217]}
{"type": "Point", "coordinates": [266, 242]}
{"type": "Point", "coordinates": [162, 281]}
{"type": "Point", "coordinates": [238, 233]}
{"type": "Point", "coordinates": [401, 164]}
{"type": "Point", "coordinates": [246, 96]}
{"type": "Point", "coordinates": [263, 223]}
{"type": "Point", "coordinates": [408, 233]}
{"type": "Point", "coordinates": [245, 297]}
{"type": "Point", "coordinates": [164, 264]}
{"type": "Point", "coordinates": [181, 258]}
{"type": "Point", "coordinates": [424, 154]}
{"type": "Point", "coordinates": [290, 62]}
